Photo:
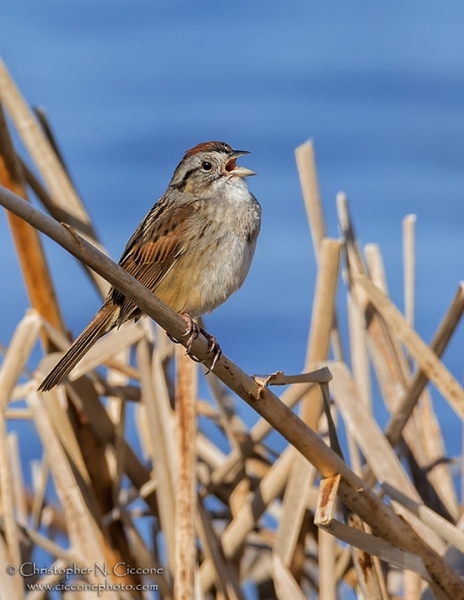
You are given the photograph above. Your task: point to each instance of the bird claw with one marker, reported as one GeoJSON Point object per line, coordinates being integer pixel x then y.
{"type": "Point", "coordinates": [193, 357]}
{"type": "Point", "coordinates": [213, 347]}
{"type": "Point", "coordinates": [193, 331]}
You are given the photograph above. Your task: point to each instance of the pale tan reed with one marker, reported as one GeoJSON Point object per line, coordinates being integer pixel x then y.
{"type": "Point", "coordinates": [222, 512]}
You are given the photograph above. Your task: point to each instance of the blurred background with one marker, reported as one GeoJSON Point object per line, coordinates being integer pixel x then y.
{"type": "Point", "coordinates": [379, 87]}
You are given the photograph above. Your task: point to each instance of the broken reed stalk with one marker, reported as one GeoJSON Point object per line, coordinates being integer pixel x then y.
{"type": "Point", "coordinates": [409, 259]}
{"type": "Point", "coordinates": [358, 497]}
{"type": "Point", "coordinates": [306, 164]}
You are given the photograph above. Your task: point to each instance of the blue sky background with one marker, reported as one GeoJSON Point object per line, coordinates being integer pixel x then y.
{"type": "Point", "coordinates": [379, 87]}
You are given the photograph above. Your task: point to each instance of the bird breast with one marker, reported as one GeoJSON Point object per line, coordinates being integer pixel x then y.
{"type": "Point", "coordinates": [218, 255]}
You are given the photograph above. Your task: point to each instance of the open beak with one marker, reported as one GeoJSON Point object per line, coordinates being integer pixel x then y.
{"type": "Point", "coordinates": [232, 168]}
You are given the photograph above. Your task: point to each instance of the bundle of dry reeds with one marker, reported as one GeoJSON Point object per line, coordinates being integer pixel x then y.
{"type": "Point", "coordinates": [181, 518]}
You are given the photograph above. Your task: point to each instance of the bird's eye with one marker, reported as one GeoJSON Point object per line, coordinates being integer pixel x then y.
{"type": "Point", "coordinates": [206, 165]}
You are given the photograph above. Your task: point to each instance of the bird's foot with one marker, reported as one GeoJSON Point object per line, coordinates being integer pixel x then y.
{"type": "Point", "coordinates": [193, 331]}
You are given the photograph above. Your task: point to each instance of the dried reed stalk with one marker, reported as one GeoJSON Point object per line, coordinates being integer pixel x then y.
{"type": "Point", "coordinates": [439, 342]}
{"type": "Point", "coordinates": [293, 512]}
{"type": "Point", "coordinates": [28, 245]}
{"type": "Point", "coordinates": [185, 559]}
{"type": "Point", "coordinates": [409, 223]}
{"type": "Point", "coordinates": [382, 520]}
{"type": "Point", "coordinates": [48, 163]}
{"type": "Point", "coordinates": [85, 440]}
{"type": "Point", "coordinates": [425, 358]}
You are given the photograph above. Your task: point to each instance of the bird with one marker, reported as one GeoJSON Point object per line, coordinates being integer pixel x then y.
{"type": "Point", "coordinates": [193, 249]}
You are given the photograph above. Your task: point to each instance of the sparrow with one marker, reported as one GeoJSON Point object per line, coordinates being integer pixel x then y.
{"type": "Point", "coordinates": [193, 249]}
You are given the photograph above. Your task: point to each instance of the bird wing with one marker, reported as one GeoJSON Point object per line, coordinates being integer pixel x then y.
{"type": "Point", "coordinates": [152, 251]}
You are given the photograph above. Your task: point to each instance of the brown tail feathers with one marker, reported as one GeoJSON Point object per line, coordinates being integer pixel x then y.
{"type": "Point", "coordinates": [102, 322]}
